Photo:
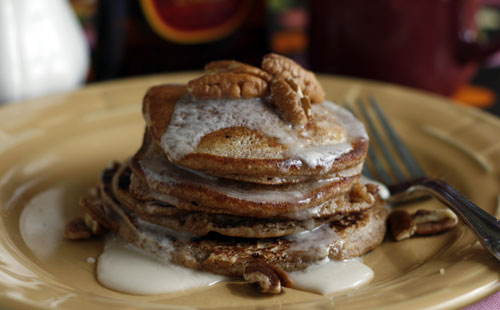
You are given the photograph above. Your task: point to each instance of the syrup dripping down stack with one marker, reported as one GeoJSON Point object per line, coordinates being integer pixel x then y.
{"type": "Point", "coordinates": [243, 166]}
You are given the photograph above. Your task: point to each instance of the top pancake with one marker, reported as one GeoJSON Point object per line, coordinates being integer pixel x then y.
{"type": "Point", "coordinates": [248, 140]}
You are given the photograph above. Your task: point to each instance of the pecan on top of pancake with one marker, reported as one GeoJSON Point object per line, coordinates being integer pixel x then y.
{"type": "Point", "coordinates": [290, 87]}
{"type": "Point", "coordinates": [265, 125]}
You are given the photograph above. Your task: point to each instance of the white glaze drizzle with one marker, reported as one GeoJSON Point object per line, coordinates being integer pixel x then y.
{"type": "Point", "coordinates": [192, 119]}
{"type": "Point", "coordinates": [319, 241]}
{"type": "Point", "coordinates": [159, 169]}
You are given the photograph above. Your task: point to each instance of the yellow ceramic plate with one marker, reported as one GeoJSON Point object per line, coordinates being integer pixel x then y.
{"type": "Point", "coordinates": [53, 149]}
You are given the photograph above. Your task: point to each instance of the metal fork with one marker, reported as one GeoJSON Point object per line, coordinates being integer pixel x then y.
{"type": "Point", "coordinates": [485, 226]}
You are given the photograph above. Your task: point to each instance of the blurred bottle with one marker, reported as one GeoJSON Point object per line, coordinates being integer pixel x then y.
{"type": "Point", "coordinates": [42, 49]}
{"type": "Point", "coordinates": [151, 36]}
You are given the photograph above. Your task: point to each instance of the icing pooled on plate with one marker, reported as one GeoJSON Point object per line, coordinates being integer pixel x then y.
{"type": "Point", "coordinates": [332, 276]}
{"type": "Point", "coordinates": [125, 268]}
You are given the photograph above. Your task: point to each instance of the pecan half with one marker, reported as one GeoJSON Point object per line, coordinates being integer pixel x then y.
{"type": "Point", "coordinates": [267, 278]}
{"type": "Point", "coordinates": [423, 222]}
{"type": "Point", "coordinates": [227, 85]}
{"type": "Point", "coordinates": [76, 229]}
{"type": "Point", "coordinates": [435, 221]}
{"type": "Point", "coordinates": [236, 67]}
{"type": "Point", "coordinates": [285, 279]}
{"type": "Point", "coordinates": [83, 228]}
{"type": "Point", "coordinates": [283, 68]}
{"type": "Point", "coordinates": [288, 98]}
{"type": "Point", "coordinates": [361, 193]}
{"type": "Point", "coordinates": [372, 189]}
{"type": "Point", "coordinates": [95, 228]}
{"type": "Point", "coordinates": [401, 224]}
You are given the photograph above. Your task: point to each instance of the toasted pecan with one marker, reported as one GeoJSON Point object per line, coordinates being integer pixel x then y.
{"type": "Point", "coordinates": [423, 222]}
{"type": "Point", "coordinates": [267, 278]}
{"type": "Point", "coordinates": [283, 68]}
{"type": "Point", "coordinates": [361, 193]}
{"type": "Point", "coordinates": [289, 102]}
{"type": "Point", "coordinates": [401, 224]}
{"type": "Point", "coordinates": [435, 221]}
{"type": "Point", "coordinates": [81, 228]}
{"type": "Point", "coordinates": [227, 85]}
{"type": "Point", "coordinates": [76, 229]}
{"type": "Point", "coordinates": [95, 228]}
{"type": "Point", "coordinates": [237, 67]}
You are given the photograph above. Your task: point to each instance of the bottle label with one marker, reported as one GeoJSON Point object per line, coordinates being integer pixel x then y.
{"type": "Point", "coordinates": [195, 21]}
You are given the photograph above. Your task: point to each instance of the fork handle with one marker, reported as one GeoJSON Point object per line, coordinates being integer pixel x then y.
{"type": "Point", "coordinates": [485, 226]}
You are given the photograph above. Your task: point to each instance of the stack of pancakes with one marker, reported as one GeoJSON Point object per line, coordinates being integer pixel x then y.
{"type": "Point", "coordinates": [223, 183]}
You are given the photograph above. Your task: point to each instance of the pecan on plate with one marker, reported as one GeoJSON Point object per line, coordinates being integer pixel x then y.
{"type": "Point", "coordinates": [76, 229]}
{"type": "Point", "coordinates": [96, 228]}
{"type": "Point", "coordinates": [401, 224]}
{"type": "Point", "coordinates": [83, 228]}
{"type": "Point", "coordinates": [435, 221]}
{"type": "Point", "coordinates": [404, 225]}
{"type": "Point", "coordinates": [267, 278]}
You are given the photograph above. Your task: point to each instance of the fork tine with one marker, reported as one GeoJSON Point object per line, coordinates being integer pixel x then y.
{"type": "Point", "coordinates": [372, 157]}
{"type": "Point", "coordinates": [398, 173]}
{"type": "Point", "coordinates": [408, 160]}
{"type": "Point", "coordinates": [379, 168]}
{"type": "Point", "coordinates": [366, 171]}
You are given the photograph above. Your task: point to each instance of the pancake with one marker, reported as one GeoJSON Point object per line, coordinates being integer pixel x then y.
{"type": "Point", "coordinates": [197, 192]}
{"type": "Point", "coordinates": [349, 237]}
{"type": "Point", "coordinates": [200, 223]}
{"type": "Point", "coordinates": [243, 166]}
{"type": "Point", "coordinates": [253, 143]}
